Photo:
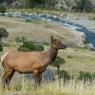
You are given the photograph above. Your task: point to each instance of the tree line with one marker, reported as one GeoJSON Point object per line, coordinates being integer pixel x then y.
{"type": "Point", "coordinates": [68, 5]}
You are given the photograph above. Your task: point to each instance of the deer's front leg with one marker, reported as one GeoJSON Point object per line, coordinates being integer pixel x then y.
{"type": "Point", "coordinates": [37, 77]}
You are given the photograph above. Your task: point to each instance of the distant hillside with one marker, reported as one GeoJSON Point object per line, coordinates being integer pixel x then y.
{"type": "Point", "coordinates": [60, 3]}
{"type": "Point", "coordinates": [35, 32]}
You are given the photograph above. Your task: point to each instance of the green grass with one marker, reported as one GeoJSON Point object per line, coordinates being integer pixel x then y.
{"type": "Point", "coordinates": [83, 56]}
{"type": "Point", "coordinates": [78, 60]}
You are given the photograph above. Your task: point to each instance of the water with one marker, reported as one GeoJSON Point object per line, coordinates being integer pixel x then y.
{"type": "Point", "coordinates": [90, 36]}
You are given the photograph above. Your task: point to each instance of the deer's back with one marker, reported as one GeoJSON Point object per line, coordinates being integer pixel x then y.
{"type": "Point", "coordinates": [23, 61]}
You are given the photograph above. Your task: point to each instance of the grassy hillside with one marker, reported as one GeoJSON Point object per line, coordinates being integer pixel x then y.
{"type": "Point", "coordinates": [76, 59]}
{"type": "Point", "coordinates": [37, 31]}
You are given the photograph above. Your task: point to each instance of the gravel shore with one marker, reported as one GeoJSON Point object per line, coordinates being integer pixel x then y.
{"type": "Point", "coordinates": [82, 21]}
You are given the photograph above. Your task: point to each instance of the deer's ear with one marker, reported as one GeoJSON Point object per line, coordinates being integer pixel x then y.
{"type": "Point", "coordinates": [51, 39]}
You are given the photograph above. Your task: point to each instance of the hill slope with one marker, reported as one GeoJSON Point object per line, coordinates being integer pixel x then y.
{"type": "Point", "coordinates": [40, 32]}
{"type": "Point", "coordinates": [76, 59]}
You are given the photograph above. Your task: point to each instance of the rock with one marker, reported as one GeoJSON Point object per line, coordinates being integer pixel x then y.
{"type": "Point", "coordinates": [48, 75]}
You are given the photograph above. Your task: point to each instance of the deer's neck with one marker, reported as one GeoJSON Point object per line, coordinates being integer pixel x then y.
{"type": "Point", "coordinates": [50, 56]}
{"type": "Point", "coordinates": [52, 53]}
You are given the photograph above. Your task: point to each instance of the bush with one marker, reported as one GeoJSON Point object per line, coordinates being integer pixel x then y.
{"type": "Point", "coordinates": [84, 5]}
{"type": "Point", "coordinates": [57, 63]}
{"type": "Point", "coordinates": [42, 3]}
{"type": "Point", "coordinates": [21, 48]}
{"type": "Point", "coordinates": [28, 20]}
{"type": "Point", "coordinates": [20, 39]}
{"type": "Point", "coordinates": [30, 46]}
{"type": "Point", "coordinates": [86, 76]}
{"type": "Point", "coordinates": [2, 9]}
{"type": "Point", "coordinates": [64, 75]}
{"type": "Point", "coordinates": [3, 32]}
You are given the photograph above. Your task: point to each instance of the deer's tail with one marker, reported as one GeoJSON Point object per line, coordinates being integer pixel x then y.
{"type": "Point", "coordinates": [4, 56]}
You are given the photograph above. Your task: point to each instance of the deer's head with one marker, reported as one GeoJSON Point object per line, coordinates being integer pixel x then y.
{"type": "Point", "coordinates": [57, 44]}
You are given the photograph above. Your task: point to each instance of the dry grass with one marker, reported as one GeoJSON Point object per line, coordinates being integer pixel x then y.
{"type": "Point", "coordinates": [51, 88]}
{"type": "Point", "coordinates": [92, 16]}
{"type": "Point", "coordinates": [78, 60]}
{"type": "Point", "coordinates": [36, 10]}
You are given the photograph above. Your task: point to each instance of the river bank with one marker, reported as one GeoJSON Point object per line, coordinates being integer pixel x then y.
{"type": "Point", "coordinates": [87, 24]}
{"type": "Point", "coordinates": [73, 22]}
{"type": "Point", "coordinates": [82, 20]}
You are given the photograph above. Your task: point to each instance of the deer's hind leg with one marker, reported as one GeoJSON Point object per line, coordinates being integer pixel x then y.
{"type": "Point", "coordinates": [7, 77]}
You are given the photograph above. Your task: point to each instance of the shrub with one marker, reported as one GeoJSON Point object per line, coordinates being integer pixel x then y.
{"type": "Point", "coordinates": [21, 48]}
{"type": "Point", "coordinates": [20, 40]}
{"type": "Point", "coordinates": [57, 62]}
{"type": "Point", "coordinates": [28, 20]}
{"type": "Point", "coordinates": [3, 33]}
{"type": "Point", "coordinates": [30, 46]}
{"type": "Point", "coordinates": [2, 9]}
{"type": "Point", "coordinates": [84, 5]}
{"type": "Point", "coordinates": [86, 76]}
{"type": "Point", "coordinates": [64, 75]}
{"type": "Point", "coordinates": [42, 3]}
